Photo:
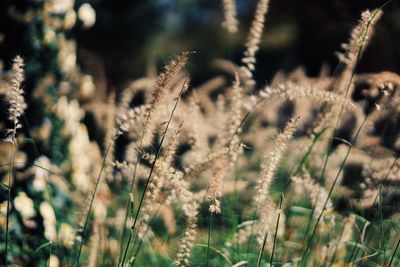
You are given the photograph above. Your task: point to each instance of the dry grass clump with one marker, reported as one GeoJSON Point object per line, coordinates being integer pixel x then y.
{"type": "Point", "coordinates": [315, 186]}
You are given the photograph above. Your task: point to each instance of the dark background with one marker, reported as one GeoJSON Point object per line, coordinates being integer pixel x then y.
{"type": "Point", "coordinates": [129, 36]}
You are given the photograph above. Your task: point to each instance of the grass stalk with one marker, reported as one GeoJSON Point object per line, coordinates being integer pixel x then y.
{"type": "Point", "coordinates": [376, 199]}
{"type": "Point", "coordinates": [92, 201]}
{"type": "Point", "coordinates": [163, 83]}
{"type": "Point", "coordinates": [330, 192]}
{"type": "Point", "coordinates": [261, 251]}
{"type": "Point", "coordinates": [381, 225]}
{"type": "Point", "coordinates": [276, 231]}
{"type": "Point", "coordinates": [262, 248]}
{"type": "Point", "coordinates": [394, 253]}
{"type": "Point", "coordinates": [209, 239]}
{"type": "Point", "coordinates": [135, 255]}
{"type": "Point", "coordinates": [217, 251]}
{"type": "Point", "coordinates": [334, 133]}
{"type": "Point", "coordinates": [158, 151]}
{"type": "Point", "coordinates": [8, 203]}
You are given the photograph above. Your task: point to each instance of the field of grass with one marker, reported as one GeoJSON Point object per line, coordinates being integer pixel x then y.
{"type": "Point", "coordinates": [300, 171]}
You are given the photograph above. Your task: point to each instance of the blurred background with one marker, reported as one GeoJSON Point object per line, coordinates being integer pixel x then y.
{"type": "Point", "coordinates": [130, 37]}
{"type": "Point", "coordinates": [84, 50]}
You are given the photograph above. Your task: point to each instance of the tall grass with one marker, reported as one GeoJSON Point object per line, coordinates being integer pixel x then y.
{"type": "Point", "coordinates": [189, 179]}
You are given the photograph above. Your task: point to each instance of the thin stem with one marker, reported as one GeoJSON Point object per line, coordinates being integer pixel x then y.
{"type": "Point", "coordinates": [256, 208]}
{"type": "Point", "coordinates": [92, 201]}
{"type": "Point", "coordinates": [251, 233]}
{"type": "Point", "coordinates": [381, 224]}
{"type": "Point", "coordinates": [394, 253]}
{"type": "Point", "coordinates": [262, 248]}
{"type": "Point", "coordinates": [135, 255]}
{"type": "Point", "coordinates": [276, 231]}
{"type": "Point", "coordinates": [334, 133]}
{"type": "Point", "coordinates": [141, 202]}
{"type": "Point", "coordinates": [128, 205]}
{"type": "Point", "coordinates": [330, 192]}
{"type": "Point", "coordinates": [217, 251]}
{"type": "Point", "coordinates": [376, 199]}
{"type": "Point", "coordinates": [342, 106]}
{"type": "Point", "coordinates": [133, 259]}
{"type": "Point", "coordinates": [48, 262]}
{"type": "Point", "coordinates": [8, 202]}
{"type": "Point", "coordinates": [386, 177]}
{"type": "Point", "coordinates": [236, 199]}
{"type": "Point", "coordinates": [151, 173]}
{"type": "Point", "coordinates": [127, 209]}
{"type": "Point", "coordinates": [35, 165]}
{"type": "Point", "coordinates": [209, 239]}
{"type": "Point", "coordinates": [260, 253]}
{"type": "Point", "coordinates": [134, 178]}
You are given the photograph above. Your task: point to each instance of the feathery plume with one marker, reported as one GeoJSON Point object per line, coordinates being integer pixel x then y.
{"type": "Point", "coordinates": [180, 193]}
{"type": "Point", "coordinates": [215, 189]}
{"type": "Point", "coordinates": [359, 38]}
{"type": "Point", "coordinates": [293, 91]}
{"type": "Point", "coordinates": [235, 120]}
{"type": "Point", "coordinates": [253, 40]}
{"type": "Point", "coordinates": [143, 84]}
{"type": "Point", "coordinates": [163, 171]}
{"type": "Point", "coordinates": [132, 120]}
{"type": "Point", "coordinates": [162, 84]}
{"type": "Point", "coordinates": [271, 161]}
{"type": "Point", "coordinates": [230, 22]}
{"type": "Point", "coordinates": [16, 98]}
{"type": "Point", "coordinates": [187, 242]}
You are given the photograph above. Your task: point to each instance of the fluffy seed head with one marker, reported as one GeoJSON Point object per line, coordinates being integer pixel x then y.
{"type": "Point", "coordinates": [271, 161]}
{"type": "Point", "coordinates": [16, 98]}
{"type": "Point", "coordinates": [253, 40]}
{"type": "Point", "coordinates": [359, 37]}
{"type": "Point", "coordinates": [162, 84]}
{"type": "Point", "coordinates": [230, 22]}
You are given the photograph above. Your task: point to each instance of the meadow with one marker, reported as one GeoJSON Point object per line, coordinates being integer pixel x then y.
{"type": "Point", "coordinates": [298, 171]}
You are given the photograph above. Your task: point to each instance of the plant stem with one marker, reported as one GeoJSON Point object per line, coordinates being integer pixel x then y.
{"type": "Point", "coordinates": [151, 172]}
{"type": "Point", "coordinates": [394, 253]}
{"type": "Point", "coordinates": [209, 238]}
{"type": "Point", "coordinates": [331, 141]}
{"type": "Point", "coordinates": [381, 224]}
{"type": "Point", "coordinates": [8, 202]}
{"type": "Point", "coordinates": [276, 230]}
{"type": "Point", "coordinates": [330, 191]}
{"type": "Point", "coordinates": [91, 202]}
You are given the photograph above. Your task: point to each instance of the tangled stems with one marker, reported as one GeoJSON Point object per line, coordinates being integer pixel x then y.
{"type": "Point", "coordinates": [151, 173]}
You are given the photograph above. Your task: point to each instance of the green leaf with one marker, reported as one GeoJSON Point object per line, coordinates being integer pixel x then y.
{"type": "Point", "coordinates": [215, 250]}
{"type": "Point", "coordinates": [43, 246]}
{"type": "Point", "coordinates": [304, 159]}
